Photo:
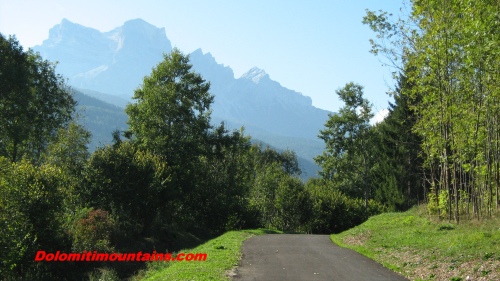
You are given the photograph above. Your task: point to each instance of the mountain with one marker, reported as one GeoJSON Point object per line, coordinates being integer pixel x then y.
{"type": "Point", "coordinates": [113, 62]}
{"type": "Point", "coordinates": [256, 100]}
{"type": "Point", "coordinates": [110, 65]}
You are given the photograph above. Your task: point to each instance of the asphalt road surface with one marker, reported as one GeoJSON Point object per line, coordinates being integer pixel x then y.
{"type": "Point", "coordinates": [293, 257]}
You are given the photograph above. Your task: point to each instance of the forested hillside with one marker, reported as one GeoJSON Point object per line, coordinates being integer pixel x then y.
{"type": "Point", "coordinates": [100, 118]}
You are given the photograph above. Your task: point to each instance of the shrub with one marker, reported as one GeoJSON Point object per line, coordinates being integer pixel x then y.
{"type": "Point", "coordinates": [91, 230]}
{"type": "Point", "coordinates": [31, 200]}
{"type": "Point", "coordinates": [334, 212]}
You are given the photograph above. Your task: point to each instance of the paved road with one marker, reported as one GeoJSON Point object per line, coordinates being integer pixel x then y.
{"type": "Point", "coordinates": [293, 257]}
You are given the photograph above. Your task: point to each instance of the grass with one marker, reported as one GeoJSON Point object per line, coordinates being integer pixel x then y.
{"type": "Point", "coordinates": [423, 249]}
{"type": "Point", "coordinates": [223, 255]}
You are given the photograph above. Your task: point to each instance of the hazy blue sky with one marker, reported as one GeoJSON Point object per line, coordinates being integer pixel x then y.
{"type": "Point", "coordinates": [313, 47]}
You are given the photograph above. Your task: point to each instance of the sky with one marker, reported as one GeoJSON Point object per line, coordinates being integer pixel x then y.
{"type": "Point", "coordinates": [312, 47]}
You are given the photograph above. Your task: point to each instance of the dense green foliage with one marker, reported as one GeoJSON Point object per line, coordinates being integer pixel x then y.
{"type": "Point", "coordinates": [345, 160]}
{"type": "Point", "coordinates": [31, 216]}
{"type": "Point", "coordinates": [34, 102]}
{"type": "Point", "coordinates": [448, 53]}
{"type": "Point", "coordinates": [125, 181]}
{"type": "Point", "coordinates": [440, 142]}
{"type": "Point", "coordinates": [366, 162]}
{"type": "Point", "coordinates": [397, 172]}
{"type": "Point", "coordinates": [333, 211]}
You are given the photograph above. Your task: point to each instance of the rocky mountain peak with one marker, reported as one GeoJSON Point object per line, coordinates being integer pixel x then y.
{"type": "Point", "coordinates": [137, 34]}
{"type": "Point", "coordinates": [256, 75]}
{"type": "Point", "coordinates": [69, 32]}
{"type": "Point", "coordinates": [208, 67]}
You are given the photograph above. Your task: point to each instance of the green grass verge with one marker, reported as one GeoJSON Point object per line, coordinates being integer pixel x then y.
{"type": "Point", "coordinates": [423, 249]}
{"type": "Point", "coordinates": [223, 255]}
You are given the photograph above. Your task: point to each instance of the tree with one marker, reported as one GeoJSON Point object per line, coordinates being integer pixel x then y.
{"type": "Point", "coordinates": [345, 160]}
{"type": "Point", "coordinates": [69, 149]}
{"type": "Point", "coordinates": [171, 119]}
{"type": "Point", "coordinates": [397, 172]}
{"type": "Point", "coordinates": [287, 159]}
{"type": "Point", "coordinates": [293, 205]}
{"type": "Point", "coordinates": [14, 97]}
{"type": "Point", "coordinates": [34, 102]}
{"type": "Point", "coordinates": [220, 201]}
{"type": "Point", "coordinates": [171, 116]}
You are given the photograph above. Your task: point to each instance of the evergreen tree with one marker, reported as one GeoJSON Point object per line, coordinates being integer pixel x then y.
{"type": "Point", "coordinates": [397, 174]}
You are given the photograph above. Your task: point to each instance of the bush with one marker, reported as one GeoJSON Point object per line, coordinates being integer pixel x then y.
{"type": "Point", "coordinates": [130, 184]}
{"type": "Point", "coordinates": [91, 230]}
{"type": "Point", "coordinates": [293, 205]}
{"type": "Point", "coordinates": [334, 212]}
{"type": "Point", "coordinates": [31, 201]}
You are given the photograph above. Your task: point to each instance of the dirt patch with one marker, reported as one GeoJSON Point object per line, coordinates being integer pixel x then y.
{"type": "Point", "coordinates": [431, 266]}
{"type": "Point", "coordinates": [358, 239]}
{"type": "Point", "coordinates": [232, 273]}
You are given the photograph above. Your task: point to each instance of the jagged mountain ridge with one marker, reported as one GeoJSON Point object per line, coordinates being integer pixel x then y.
{"type": "Point", "coordinates": [255, 99]}
{"type": "Point", "coordinates": [115, 63]}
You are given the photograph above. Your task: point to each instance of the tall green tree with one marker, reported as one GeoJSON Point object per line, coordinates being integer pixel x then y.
{"type": "Point", "coordinates": [34, 102]}
{"type": "Point", "coordinates": [397, 172]}
{"type": "Point", "coordinates": [171, 118]}
{"type": "Point", "coordinates": [171, 114]}
{"type": "Point", "coordinates": [208, 174]}
{"type": "Point", "coordinates": [220, 200]}
{"type": "Point", "coordinates": [346, 160]}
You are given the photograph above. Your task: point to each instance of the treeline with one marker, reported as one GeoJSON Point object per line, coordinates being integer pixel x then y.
{"type": "Point", "coordinates": [448, 56]}
{"type": "Point", "coordinates": [168, 180]}
{"type": "Point", "coordinates": [440, 143]}
{"type": "Point", "coordinates": [377, 163]}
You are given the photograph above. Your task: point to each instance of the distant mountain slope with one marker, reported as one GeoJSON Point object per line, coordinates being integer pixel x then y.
{"type": "Point", "coordinates": [111, 99]}
{"type": "Point", "coordinates": [100, 118]}
{"type": "Point", "coordinates": [305, 149]}
{"type": "Point", "coordinates": [115, 63]}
